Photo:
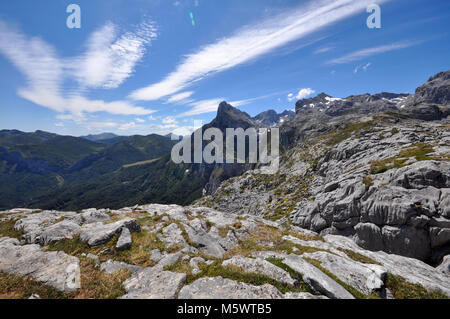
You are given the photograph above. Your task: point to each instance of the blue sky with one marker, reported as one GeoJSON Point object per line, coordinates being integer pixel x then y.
{"type": "Point", "coordinates": [141, 66]}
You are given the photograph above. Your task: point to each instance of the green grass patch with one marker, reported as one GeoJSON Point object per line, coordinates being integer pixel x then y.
{"type": "Point", "coordinates": [401, 289]}
{"type": "Point", "coordinates": [7, 229]}
{"type": "Point", "coordinates": [368, 181]}
{"type": "Point", "coordinates": [418, 151]}
{"type": "Point", "coordinates": [358, 257]}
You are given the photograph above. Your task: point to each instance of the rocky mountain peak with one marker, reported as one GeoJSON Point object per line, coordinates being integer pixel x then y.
{"type": "Point", "coordinates": [435, 90]}
{"type": "Point", "coordinates": [229, 116]}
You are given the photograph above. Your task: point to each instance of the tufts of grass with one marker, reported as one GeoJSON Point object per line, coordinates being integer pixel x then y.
{"type": "Point", "coordinates": [342, 134]}
{"type": "Point", "coordinates": [418, 151]}
{"type": "Point", "coordinates": [358, 257]}
{"type": "Point", "coordinates": [368, 181]}
{"type": "Point", "coordinates": [96, 284]}
{"type": "Point", "coordinates": [7, 229]}
{"type": "Point", "coordinates": [267, 238]}
{"type": "Point", "coordinates": [18, 287]}
{"type": "Point", "coordinates": [401, 289]}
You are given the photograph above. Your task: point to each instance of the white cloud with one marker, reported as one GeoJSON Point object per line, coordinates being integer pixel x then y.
{"type": "Point", "coordinates": [176, 3]}
{"type": "Point", "coordinates": [110, 59]}
{"type": "Point", "coordinates": [301, 94]}
{"type": "Point", "coordinates": [127, 126]}
{"type": "Point", "coordinates": [250, 43]}
{"type": "Point", "coordinates": [364, 67]}
{"type": "Point", "coordinates": [361, 54]}
{"type": "Point", "coordinates": [323, 50]}
{"type": "Point", "coordinates": [139, 120]}
{"type": "Point", "coordinates": [169, 120]}
{"type": "Point", "coordinates": [180, 97]}
{"type": "Point", "coordinates": [59, 124]}
{"type": "Point", "coordinates": [152, 118]}
{"type": "Point", "coordinates": [46, 72]}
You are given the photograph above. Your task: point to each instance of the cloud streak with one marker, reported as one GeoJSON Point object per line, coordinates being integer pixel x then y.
{"type": "Point", "coordinates": [361, 54]}
{"type": "Point", "coordinates": [251, 42]}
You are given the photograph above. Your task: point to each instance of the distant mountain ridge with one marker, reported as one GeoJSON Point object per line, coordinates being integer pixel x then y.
{"type": "Point", "coordinates": [46, 170]}
{"type": "Point", "coordinates": [100, 137]}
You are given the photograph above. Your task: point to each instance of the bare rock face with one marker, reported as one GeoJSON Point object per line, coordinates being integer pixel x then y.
{"type": "Point", "coordinates": [401, 210]}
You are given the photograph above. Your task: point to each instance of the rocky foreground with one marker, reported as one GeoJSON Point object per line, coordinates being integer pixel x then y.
{"type": "Point", "coordinates": [159, 251]}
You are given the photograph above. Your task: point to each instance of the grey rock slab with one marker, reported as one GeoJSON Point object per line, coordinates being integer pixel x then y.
{"type": "Point", "coordinates": [56, 269]}
{"type": "Point", "coordinates": [96, 234]}
{"type": "Point", "coordinates": [364, 277]}
{"type": "Point", "coordinates": [93, 215]}
{"type": "Point", "coordinates": [112, 266]}
{"type": "Point", "coordinates": [152, 283]}
{"type": "Point", "coordinates": [260, 266]}
{"type": "Point", "coordinates": [32, 225]}
{"type": "Point", "coordinates": [316, 279]}
{"type": "Point", "coordinates": [124, 242]}
{"type": "Point", "coordinates": [205, 242]}
{"type": "Point", "coordinates": [65, 229]}
{"type": "Point", "coordinates": [156, 255]}
{"type": "Point", "coordinates": [169, 260]}
{"type": "Point", "coordinates": [172, 235]}
{"type": "Point", "coordinates": [221, 288]}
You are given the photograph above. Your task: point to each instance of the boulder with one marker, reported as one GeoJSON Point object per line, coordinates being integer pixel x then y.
{"type": "Point", "coordinates": [125, 240]}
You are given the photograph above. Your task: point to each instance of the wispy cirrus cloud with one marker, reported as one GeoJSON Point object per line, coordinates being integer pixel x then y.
{"type": "Point", "coordinates": [111, 58]}
{"type": "Point", "coordinates": [180, 97]}
{"type": "Point", "coordinates": [323, 50]}
{"type": "Point", "coordinates": [361, 54]}
{"type": "Point", "coordinates": [250, 43]}
{"type": "Point", "coordinates": [106, 64]}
